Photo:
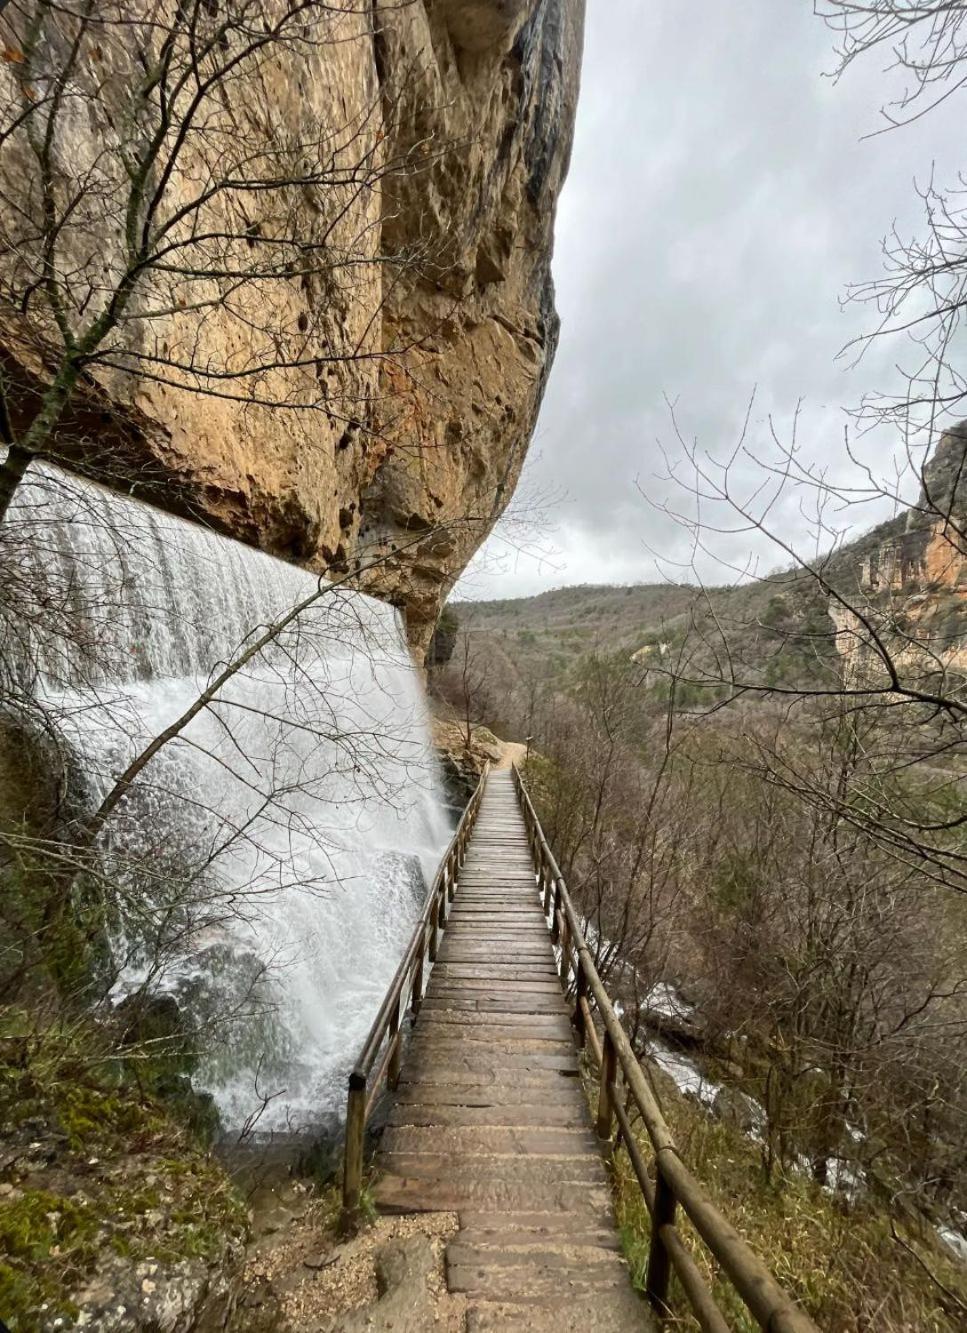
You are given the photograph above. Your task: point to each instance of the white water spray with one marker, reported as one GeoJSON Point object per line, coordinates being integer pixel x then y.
{"type": "Point", "coordinates": [272, 859]}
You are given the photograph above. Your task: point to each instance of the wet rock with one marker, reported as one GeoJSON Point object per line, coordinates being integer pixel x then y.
{"type": "Point", "coordinates": [667, 1011]}
{"type": "Point", "coordinates": [152, 1297]}
{"type": "Point", "coordinates": [145, 1017]}
{"type": "Point", "coordinates": [732, 1069]}
{"type": "Point", "coordinates": [257, 1310]}
{"type": "Point", "coordinates": [317, 1262]}
{"type": "Point", "coordinates": [736, 1108]}
{"type": "Point", "coordinates": [160, 1027]}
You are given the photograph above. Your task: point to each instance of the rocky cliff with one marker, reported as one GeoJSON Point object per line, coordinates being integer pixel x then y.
{"type": "Point", "coordinates": [909, 575]}
{"type": "Point", "coordinates": [416, 446]}
{"type": "Point", "coordinates": [924, 548]}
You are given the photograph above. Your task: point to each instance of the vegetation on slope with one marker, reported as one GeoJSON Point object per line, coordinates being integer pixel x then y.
{"type": "Point", "coordinates": [780, 628]}
{"type": "Point", "coordinates": [852, 1265]}
{"type": "Point", "coordinates": [107, 1199]}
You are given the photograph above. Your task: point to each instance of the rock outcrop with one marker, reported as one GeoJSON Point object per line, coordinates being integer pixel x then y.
{"type": "Point", "coordinates": [413, 451]}
{"type": "Point", "coordinates": [910, 579]}
{"type": "Point", "coordinates": [928, 551]}
{"type": "Point", "coordinates": [463, 763]}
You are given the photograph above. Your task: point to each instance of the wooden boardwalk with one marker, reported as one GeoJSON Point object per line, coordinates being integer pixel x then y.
{"type": "Point", "coordinates": [490, 1120]}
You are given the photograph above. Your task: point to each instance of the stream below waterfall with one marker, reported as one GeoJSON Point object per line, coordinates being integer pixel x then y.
{"type": "Point", "coordinates": [268, 866]}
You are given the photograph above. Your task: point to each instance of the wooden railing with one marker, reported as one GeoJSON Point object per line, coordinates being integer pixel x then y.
{"type": "Point", "coordinates": [385, 1040]}
{"type": "Point", "coordinates": [669, 1185]}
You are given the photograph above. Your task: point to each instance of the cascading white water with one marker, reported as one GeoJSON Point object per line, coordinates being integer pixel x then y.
{"type": "Point", "coordinates": [271, 861]}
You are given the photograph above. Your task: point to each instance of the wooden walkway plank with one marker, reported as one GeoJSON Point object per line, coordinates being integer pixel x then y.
{"type": "Point", "coordinates": [490, 1119]}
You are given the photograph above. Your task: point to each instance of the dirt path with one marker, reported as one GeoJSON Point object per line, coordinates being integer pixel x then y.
{"type": "Point", "coordinates": [512, 752]}
{"type": "Point", "coordinates": [301, 1276]}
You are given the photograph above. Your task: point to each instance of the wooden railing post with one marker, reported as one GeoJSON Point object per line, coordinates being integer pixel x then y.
{"type": "Point", "coordinates": [606, 1091]}
{"type": "Point", "coordinates": [393, 1072]}
{"type": "Point", "coordinates": [352, 1181]}
{"type": "Point", "coordinates": [580, 993]}
{"type": "Point", "coordinates": [659, 1264]}
{"type": "Point", "coordinates": [434, 947]}
{"type": "Point", "coordinates": [416, 994]}
{"type": "Point", "coordinates": [385, 1039]}
{"type": "Point", "coordinates": [675, 1187]}
{"type": "Point", "coordinates": [565, 953]}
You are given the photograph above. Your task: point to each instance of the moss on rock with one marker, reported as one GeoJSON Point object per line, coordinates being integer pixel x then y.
{"type": "Point", "coordinates": [111, 1213]}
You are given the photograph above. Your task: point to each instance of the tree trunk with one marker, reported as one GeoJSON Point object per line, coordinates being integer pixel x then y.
{"type": "Point", "coordinates": [12, 471]}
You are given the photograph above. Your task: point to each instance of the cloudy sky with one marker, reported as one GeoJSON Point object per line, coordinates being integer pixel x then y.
{"type": "Point", "coordinates": [723, 193]}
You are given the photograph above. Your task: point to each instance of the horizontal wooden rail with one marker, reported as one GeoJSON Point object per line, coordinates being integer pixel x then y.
{"type": "Point", "coordinates": [670, 1184]}
{"type": "Point", "coordinates": [380, 1056]}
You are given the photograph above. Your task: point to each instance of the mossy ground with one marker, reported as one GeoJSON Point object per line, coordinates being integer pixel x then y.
{"type": "Point", "coordinates": [839, 1259]}
{"type": "Point", "coordinates": [93, 1166]}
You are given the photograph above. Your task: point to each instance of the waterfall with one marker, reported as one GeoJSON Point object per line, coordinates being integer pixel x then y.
{"type": "Point", "coordinates": [269, 865]}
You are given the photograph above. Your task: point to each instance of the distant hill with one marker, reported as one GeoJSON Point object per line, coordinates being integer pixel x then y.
{"type": "Point", "coordinates": [908, 573]}
{"type": "Point", "coordinates": [551, 631]}
{"type": "Point", "coordinates": [780, 625]}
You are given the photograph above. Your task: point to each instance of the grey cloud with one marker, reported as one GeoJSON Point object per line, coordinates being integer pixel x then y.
{"type": "Point", "coordinates": [721, 198]}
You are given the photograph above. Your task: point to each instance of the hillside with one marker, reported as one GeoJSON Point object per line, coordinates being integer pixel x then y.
{"type": "Point", "coordinates": [548, 633]}
{"type": "Point", "coordinates": [781, 625]}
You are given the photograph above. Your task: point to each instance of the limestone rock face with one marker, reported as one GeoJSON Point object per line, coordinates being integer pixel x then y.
{"type": "Point", "coordinates": [928, 551]}
{"type": "Point", "coordinates": [913, 583]}
{"type": "Point", "coordinates": [416, 449]}
{"type": "Point", "coordinates": [499, 79]}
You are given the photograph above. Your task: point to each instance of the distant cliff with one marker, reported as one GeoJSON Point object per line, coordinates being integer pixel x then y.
{"type": "Point", "coordinates": [922, 548]}
{"type": "Point", "coordinates": [477, 97]}
{"type": "Point", "coordinates": [911, 572]}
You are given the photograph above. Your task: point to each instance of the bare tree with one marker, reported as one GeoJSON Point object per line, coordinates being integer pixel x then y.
{"type": "Point", "coordinates": [873, 637]}
{"type": "Point", "coordinates": [144, 848]}
{"type": "Point", "coordinates": [160, 234]}
{"type": "Point", "coordinates": [827, 970]}
{"type": "Point", "coordinates": [921, 294]}
{"type": "Point", "coordinates": [925, 40]}
{"type": "Point", "coordinates": [616, 806]}
{"type": "Point", "coordinates": [464, 686]}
